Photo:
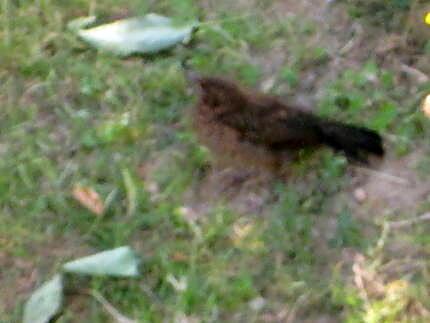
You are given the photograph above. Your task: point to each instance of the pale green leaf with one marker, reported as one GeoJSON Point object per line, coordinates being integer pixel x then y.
{"type": "Point", "coordinates": [81, 23]}
{"type": "Point", "coordinates": [131, 190]}
{"type": "Point", "coordinates": [148, 34]}
{"type": "Point", "coordinates": [45, 302]}
{"type": "Point", "coordinates": [119, 262]}
{"type": "Point", "coordinates": [114, 128]}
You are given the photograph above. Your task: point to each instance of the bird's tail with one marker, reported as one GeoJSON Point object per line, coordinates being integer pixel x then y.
{"type": "Point", "coordinates": [355, 142]}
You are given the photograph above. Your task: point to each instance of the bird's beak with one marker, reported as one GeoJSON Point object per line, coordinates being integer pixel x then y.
{"type": "Point", "coordinates": [191, 76]}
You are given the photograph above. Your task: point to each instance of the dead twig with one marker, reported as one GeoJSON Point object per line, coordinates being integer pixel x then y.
{"type": "Point", "coordinates": [351, 43]}
{"type": "Point", "coordinates": [409, 222]}
{"type": "Point", "coordinates": [390, 177]}
{"type": "Point", "coordinates": [416, 74]}
{"type": "Point", "coordinates": [118, 317]}
{"type": "Point", "coordinates": [291, 314]}
{"type": "Point", "coordinates": [405, 265]}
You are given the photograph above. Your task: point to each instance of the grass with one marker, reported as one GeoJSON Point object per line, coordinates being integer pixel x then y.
{"type": "Point", "coordinates": [71, 115]}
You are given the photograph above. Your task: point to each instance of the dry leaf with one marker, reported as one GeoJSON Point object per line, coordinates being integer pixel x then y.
{"type": "Point", "coordinates": [180, 284]}
{"type": "Point", "coordinates": [426, 106]}
{"type": "Point", "coordinates": [89, 198]}
{"type": "Point", "coordinates": [390, 43]}
{"type": "Point", "coordinates": [242, 230]}
{"type": "Point", "coordinates": [242, 237]}
{"type": "Point", "coordinates": [179, 257]}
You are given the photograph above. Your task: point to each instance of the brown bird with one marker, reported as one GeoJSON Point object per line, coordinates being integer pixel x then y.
{"type": "Point", "coordinates": [255, 129]}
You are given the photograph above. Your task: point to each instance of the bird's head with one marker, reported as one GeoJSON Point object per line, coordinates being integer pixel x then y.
{"type": "Point", "coordinates": [222, 96]}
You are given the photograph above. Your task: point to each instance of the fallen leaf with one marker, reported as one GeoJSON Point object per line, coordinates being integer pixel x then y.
{"type": "Point", "coordinates": [117, 127]}
{"type": "Point", "coordinates": [241, 230]}
{"type": "Point", "coordinates": [242, 237]}
{"type": "Point", "coordinates": [45, 302]}
{"type": "Point", "coordinates": [180, 284]}
{"type": "Point", "coordinates": [81, 22]}
{"type": "Point", "coordinates": [131, 191]}
{"type": "Point", "coordinates": [88, 198]}
{"type": "Point", "coordinates": [119, 262]}
{"type": "Point", "coordinates": [139, 35]}
{"type": "Point", "coordinates": [426, 106]}
{"type": "Point", "coordinates": [179, 257]}
{"type": "Point", "coordinates": [389, 43]}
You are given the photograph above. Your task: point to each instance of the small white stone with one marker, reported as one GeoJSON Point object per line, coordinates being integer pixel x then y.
{"type": "Point", "coordinates": [268, 84]}
{"type": "Point", "coordinates": [360, 195]}
{"type": "Point", "coordinates": [257, 303]}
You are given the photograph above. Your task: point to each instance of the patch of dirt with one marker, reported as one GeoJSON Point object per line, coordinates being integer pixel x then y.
{"type": "Point", "coordinates": [394, 188]}
{"type": "Point", "coordinates": [391, 188]}
{"type": "Point", "coordinates": [246, 192]}
{"type": "Point", "coordinates": [19, 276]}
{"type": "Point", "coordinates": [349, 44]}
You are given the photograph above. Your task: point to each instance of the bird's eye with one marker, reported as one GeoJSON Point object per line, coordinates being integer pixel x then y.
{"type": "Point", "coordinates": [213, 99]}
{"type": "Point", "coordinates": [216, 101]}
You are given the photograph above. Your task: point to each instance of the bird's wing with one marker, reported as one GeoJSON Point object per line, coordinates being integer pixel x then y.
{"type": "Point", "coordinates": [283, 131]}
